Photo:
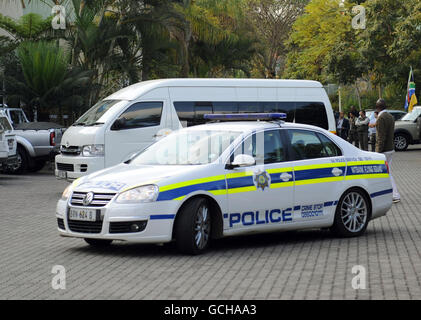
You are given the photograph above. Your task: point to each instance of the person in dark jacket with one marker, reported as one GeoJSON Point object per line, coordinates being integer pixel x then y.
{"type": "Point", "coordinates": [342, 126]}
{"type": "Point", "coordinates": [385, 127]}
{"type": "Point", "coordinates": [362, 129]}
{"type": "Point", "coordinates": [353, 135]}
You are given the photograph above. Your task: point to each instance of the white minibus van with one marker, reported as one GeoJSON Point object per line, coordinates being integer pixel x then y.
{"type": "Point", "coordinates": [134, 117]}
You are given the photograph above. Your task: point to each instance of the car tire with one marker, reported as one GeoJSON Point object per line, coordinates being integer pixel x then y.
{"type": "Point", "coordinates": [401, 142]}
{"type": "Point", "coordinates": [352, 214]}
{"type": "Point", "coordinates": [22, 162]}
{"type": "Point", "coordinates": [193, 227]}
{"type": "Point", "coordinates": [98, 242]}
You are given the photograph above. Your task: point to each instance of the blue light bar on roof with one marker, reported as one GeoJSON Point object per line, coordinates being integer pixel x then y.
{"type": "Point", "coordinates": [245, 116]}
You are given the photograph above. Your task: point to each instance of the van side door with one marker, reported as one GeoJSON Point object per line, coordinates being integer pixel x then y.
{"type": "Point", "coordinates": [137, 127]}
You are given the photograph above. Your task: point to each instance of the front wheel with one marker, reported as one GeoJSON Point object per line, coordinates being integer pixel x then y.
{"type": "Point", "coordinates": [352, 214]}
{"type": "Point", "coordinates": [193, 227]}
{"type": "Point", "coordinates": [401, 142]}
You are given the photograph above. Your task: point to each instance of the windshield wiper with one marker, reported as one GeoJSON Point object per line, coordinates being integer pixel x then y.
{"type": "Point", "coordinates": [79, 124]}
{"type": "Point", "coordinates": [93, 124]}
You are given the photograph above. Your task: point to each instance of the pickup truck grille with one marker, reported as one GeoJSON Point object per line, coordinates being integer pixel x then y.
{"type": "Point", "coordinates": [65, 167]}
{"type": "Point", "coordinates": [70, 150]}
{"type": "Point", "coordinates": [99, 200]}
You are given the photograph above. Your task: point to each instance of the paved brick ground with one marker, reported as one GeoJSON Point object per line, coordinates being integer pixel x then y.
{"type": "Point", "coordinates": [297, 265]}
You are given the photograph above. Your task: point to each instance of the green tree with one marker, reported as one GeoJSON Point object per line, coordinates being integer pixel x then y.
{"type": "Point", "coordinates": [314, 35]}
{"type": "Point", "coordinates": [48, 81]}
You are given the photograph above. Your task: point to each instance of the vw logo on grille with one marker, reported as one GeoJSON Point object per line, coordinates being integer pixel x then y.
{"type": "Point", "coordinates": [88, 198]}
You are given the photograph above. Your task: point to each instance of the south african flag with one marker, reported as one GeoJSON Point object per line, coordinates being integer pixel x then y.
{"type": "Point", "coordinates": [411, 98]}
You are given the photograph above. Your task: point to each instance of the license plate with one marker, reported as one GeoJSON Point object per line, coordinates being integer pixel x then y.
{"type": "Point", "coordinates": [62, 174]}
{"type": "Point", "coordinates": [82, 214]}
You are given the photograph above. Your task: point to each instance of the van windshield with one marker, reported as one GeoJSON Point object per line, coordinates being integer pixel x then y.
{"type": "Point", "coordinates": [412, 116]}
{"type": "Point", "coordinates": [187, 147]}
{"type": "Point", "coordinates": [94, 114]}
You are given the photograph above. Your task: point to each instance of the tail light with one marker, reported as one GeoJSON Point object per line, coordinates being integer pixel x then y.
{"type": "Point", "coordinates": [52, 138]}
{"type": "Point", "coordinates": [387, 166]}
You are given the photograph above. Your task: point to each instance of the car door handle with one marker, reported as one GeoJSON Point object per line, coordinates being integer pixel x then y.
{"type": "Point", "coordinates": [337, 172]}
{"type": "Point", "coordinates": [285, 176]}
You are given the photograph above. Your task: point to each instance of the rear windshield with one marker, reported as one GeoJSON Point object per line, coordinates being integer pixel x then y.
{"type": "Point", "coordinates": [4, 124]}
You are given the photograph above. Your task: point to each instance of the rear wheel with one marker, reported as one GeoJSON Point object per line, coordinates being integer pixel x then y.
{"type": "Point", "coordinates": [21, 165]}
{"type": "Point", "coordinates": [401, 142]}
{"type": "Point", "coordinates": [352, 214]}
{"type": "Point", "coordinates": [98, 242]}
{"type": "Point", "coordinates": [193, 227]}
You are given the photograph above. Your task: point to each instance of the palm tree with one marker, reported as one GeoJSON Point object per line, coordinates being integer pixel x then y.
{"type": "Point", "coordinates": [48, 81]}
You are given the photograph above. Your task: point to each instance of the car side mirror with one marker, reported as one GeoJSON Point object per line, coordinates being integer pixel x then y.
{"type": "Point", "coordinates": [118, 124]}
{"type": "Point", "coordinates": [241, 160]}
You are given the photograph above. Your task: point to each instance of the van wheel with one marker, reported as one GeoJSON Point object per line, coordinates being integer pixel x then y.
{"type": "Point", "coordinates": [352, 214]}
{"type": "Point", "coordinates": [193, 227]}
{"type": "Point", "coordinates": [98, 242]}
{"type": "Point", "coordinates": [401, 142]}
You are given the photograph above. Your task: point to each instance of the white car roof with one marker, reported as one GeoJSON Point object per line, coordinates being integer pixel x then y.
{"type": "Point", "coordinates": [252, 125]}
{"type": "Point", "coordinates": [135, 90]}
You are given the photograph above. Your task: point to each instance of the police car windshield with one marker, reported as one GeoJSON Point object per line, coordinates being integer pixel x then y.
{"type": "Point", "coordinates": [187, 147]}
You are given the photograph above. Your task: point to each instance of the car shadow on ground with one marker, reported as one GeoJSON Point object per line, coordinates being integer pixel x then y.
{"type": "Point", "coordinates": [233, 244]}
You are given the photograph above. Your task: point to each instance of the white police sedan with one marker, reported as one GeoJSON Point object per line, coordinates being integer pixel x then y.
{"type": "Point", "coordinates": [229, 178]}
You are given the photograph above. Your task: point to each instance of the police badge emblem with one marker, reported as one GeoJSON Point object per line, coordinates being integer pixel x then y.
{"type": "Point", "coordinates": [262, 180]}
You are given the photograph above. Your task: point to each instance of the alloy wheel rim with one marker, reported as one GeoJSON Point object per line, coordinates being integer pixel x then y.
{"type": "Point", "coordinates": [400, 142]}
{"type": "Point", "coordinates": [17, 164]}
{"type": "Point", "coordinates": [202, 227]}
{"type": "Point", "coordinates": [354, 212]}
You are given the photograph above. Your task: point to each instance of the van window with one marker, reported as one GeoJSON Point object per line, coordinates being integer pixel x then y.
{"type": "Point", "coordinates": [313, 113]}
{"type": "Point", "coordinates": [306, 145]}
{"type": "Point", "coordinates": [284, 107]}
{"type": "Point", "coordinates": [249, 107]}
{"type": "Point", "coordinates": [185, 112]}
{"type": "Point", "coordinates": [142, 114]}
{"type": "Point", "coordinates": [200, 109]}
{"type": "Point", "coordinates": [225, 107]}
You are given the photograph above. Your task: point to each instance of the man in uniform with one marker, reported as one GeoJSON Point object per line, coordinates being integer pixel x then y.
{"type": "Point", "coordinates": [385, 127]}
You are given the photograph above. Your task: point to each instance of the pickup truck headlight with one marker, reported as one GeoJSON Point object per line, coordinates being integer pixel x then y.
{"type": "Point", "coordinates": [93, 150]}
{"type": "Point", "coordinates": [147, 193]}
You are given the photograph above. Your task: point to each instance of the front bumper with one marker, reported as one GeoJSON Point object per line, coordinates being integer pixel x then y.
{"type": "Point", "coordinates": [77, 166]}
{"type": "Point", "coordinates": [159, 218]}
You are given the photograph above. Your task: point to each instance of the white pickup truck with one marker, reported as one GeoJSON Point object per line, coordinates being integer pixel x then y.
{"type": "Point", "coordinates": [37, 142]}
{"type": "Point", "coordinates": [7, 142]}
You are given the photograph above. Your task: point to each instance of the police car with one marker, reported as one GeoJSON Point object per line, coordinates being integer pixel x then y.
{"type": "Point", "coordinates": [252, 174]}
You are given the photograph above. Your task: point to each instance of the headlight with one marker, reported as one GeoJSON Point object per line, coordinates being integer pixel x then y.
{"type": "Point", "coordinates": [146, 193]}
{"type": "Point", "coordinates": [93, 150]}
{"type": "Point", "coordinates": [66, 192]}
